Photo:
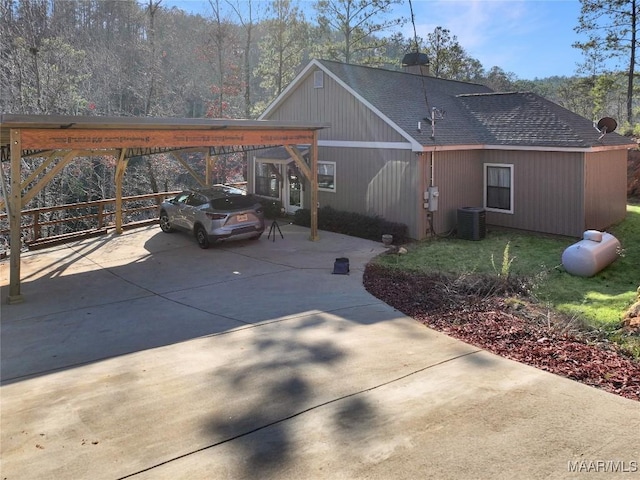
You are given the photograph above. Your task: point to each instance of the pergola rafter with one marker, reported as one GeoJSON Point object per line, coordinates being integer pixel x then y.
{"type": "Point", "coordinates": [68, 137]}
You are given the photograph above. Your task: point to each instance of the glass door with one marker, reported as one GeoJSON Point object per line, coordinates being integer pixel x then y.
{"type": "Point", "coordinates": [294, 189]}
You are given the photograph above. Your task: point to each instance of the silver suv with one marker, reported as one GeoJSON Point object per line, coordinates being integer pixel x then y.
{"type": "Point", "coordinates": [213, 214]}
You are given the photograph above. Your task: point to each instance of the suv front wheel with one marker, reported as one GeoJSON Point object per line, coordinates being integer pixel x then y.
{"type": "Point", "coordinates": [165, 225]}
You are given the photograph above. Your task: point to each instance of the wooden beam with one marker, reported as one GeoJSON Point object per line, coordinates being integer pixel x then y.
{"type": "Point", "coordinates": [121, 166]}
{"type": "Point", "coordinates": [116, 138]}
{"type": "Point", "coordinates": [191, 171]}
{"type": "Point", "coordinates": [83, 152]}
{"type": "Point", "coordinates": [43, 166]}
{"type": "Point", "coordinates": [297, 157]}
{"type": "Point", "coordinates": [15, 209]}
{"type": "Point", "coordinates": [28, 196]}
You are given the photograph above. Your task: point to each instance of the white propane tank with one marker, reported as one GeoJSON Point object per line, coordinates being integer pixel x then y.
{"type": "Point", "coordinates": [594, 252]}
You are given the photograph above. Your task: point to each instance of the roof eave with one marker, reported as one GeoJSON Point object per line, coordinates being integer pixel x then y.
{"type": "Point", "coordinates": [524, 148]}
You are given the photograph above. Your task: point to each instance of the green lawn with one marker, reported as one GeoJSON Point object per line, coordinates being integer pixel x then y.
{"type": "Point", "coordinates": [600, 300]}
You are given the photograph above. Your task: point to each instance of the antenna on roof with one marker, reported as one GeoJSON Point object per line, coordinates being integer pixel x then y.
{"type": "Point", "coordinates": [605, 125]}
{"type": "Point", "coordinates": [436, 114]}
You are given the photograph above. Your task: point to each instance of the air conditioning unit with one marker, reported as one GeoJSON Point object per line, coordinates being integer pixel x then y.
{"type": "Point", "coordinates": [472, 224]}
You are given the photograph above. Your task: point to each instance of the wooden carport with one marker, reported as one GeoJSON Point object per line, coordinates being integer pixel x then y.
{"type": "Point", "coordinates": [61, 139]}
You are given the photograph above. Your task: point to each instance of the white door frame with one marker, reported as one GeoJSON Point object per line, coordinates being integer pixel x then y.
{"type": "Point", "coordinates": [287, 192]}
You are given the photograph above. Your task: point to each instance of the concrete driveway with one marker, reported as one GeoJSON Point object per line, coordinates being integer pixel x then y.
{"type": "Point", "coordinates": [141, 356]}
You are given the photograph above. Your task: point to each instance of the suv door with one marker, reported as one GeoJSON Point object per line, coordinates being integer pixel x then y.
{"type": "Point", "coordinates": [193, 209]}
{"type": "Point", "coordinates": [176, 214]}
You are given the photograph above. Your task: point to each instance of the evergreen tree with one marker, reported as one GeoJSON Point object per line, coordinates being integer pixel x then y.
{"type": "Point", "coordinates": [612, 27]}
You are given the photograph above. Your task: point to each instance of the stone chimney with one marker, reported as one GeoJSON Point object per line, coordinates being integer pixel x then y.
{"type": "Point", "coordinates": [416, 63]}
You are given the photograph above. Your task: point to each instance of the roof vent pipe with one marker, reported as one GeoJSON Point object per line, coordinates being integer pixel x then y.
{"type": "Point", "coordinates": [416, 63]}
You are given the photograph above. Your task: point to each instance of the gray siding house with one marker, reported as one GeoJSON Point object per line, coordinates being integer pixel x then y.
{"type": "Point", "coordinates": [397, 136]}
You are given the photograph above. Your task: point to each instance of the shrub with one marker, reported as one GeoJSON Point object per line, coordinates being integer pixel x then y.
{"type": "Point", "coordinates": [354, 224]}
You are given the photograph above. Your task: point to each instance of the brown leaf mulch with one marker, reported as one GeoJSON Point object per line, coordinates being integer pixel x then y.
{"type": "Point", "coordinates": [482, 311]}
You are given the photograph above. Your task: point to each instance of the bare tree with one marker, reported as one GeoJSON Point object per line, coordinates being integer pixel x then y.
{"type": "Point", "coordinates": [352, 28]}
{"type": "Point", "coordinates": [245, 13]}
{"type": "Point", "coordinates": [282, 47]}
{"type": "Point", "coordinates": [223, 49]}
{"type": "Point", "coordinates": [154, 70]}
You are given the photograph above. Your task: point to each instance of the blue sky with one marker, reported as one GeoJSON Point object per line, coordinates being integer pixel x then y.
{"type": "Point", "coordinates": [530, 38]}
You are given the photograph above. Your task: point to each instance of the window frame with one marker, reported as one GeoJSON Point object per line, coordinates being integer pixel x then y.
{"type": "Point", "coordinates": [486, 187]}
{"type": "Point", "coordinates": [335, 171]}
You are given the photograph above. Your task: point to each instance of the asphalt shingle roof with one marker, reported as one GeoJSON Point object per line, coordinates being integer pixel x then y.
{"type": "Point", "coordinates": [527, 119]}
{"type": "Point", "coordinates": [472, 114]}
{"type": "Point", "coordinates": [407, 98]}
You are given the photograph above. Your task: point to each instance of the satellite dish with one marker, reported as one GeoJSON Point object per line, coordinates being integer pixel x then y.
{"type": "Point", "coordinates": [607, 125]}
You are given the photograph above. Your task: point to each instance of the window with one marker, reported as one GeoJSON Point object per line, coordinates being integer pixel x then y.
{"type": "Point", "coordinates": [182, 198]}
{"type": "Point", "coordinates": [195, 200]}
{"type": "Point", "coordinates": [267, 180]}
{"type": "Point", "coordinates": [318, 79]}
{"type": "Point", "coordinates": [498, 187]}
{"type": "Point", "coordinates": [327, 176]}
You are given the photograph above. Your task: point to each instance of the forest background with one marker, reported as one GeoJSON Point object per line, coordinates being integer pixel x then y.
{"type": "Point", "coordinates": [142, 58]}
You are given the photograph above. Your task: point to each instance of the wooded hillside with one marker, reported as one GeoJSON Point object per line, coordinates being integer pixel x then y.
{"type": "Point", "coordinates": [122, 57]}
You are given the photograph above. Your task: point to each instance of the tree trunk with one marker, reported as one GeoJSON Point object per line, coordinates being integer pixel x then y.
{"type": "Point", "coordinates": [632, 62]}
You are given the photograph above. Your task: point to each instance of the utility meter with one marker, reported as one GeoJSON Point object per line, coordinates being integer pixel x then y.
{"type": "Point", "coordinates": [432, 198]}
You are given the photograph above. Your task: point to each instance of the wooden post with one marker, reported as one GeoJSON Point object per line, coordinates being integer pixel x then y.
{"type": "Point", "coordinates": [311, 173]}
{"type": "Point", "coordinates": [207, 164]}
{"type": "Point", "coordinates": [120, 168]}
{"type": "Point", "coordinates": [36, 226]}
{"type": "Point", "coordinates": [15, 208]}
{"type": "Point", "coordinates": [314, 187]}
{"type": "Point", "coordinates": [100, 215]}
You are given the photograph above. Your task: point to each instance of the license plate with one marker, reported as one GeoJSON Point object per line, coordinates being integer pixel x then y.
{"type": "Point", "coordinates": [242, 218]}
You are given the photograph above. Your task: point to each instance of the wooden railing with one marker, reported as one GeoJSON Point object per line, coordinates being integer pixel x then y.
{"type": "Point", "coordinates": [42, 226]}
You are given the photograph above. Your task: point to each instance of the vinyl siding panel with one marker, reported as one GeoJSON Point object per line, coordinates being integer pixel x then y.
{"type": "Point", "coordinates": [375, 182]}
{"type": "Point", "coordinates": [350, 120]}
{"type": "Point", "coordinates": [548, 190]}
{"type": "Point", "coordinates": [458, 176]}
{"type": "Point", "coordinates": [547, 187]}
{"type": "Point", "coordinates": [605, 192]}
